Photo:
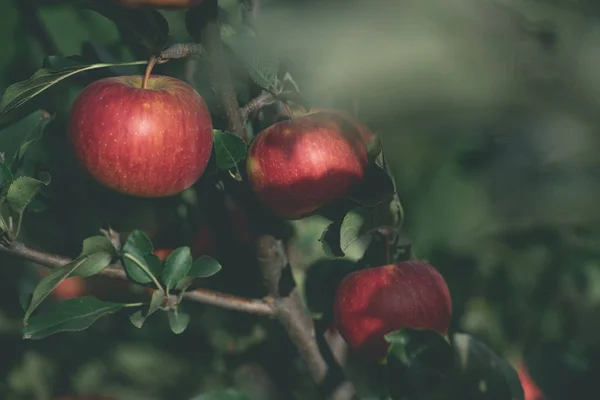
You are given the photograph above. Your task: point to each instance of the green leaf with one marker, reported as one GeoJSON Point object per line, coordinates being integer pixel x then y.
{"type": "Point", "coordinates": [229, 149]}
{"type": "Point", "coordinates": [145, 27]}
{"type": "Point", "coordinates": [204, 267]}
{"type": "Point", "coordinates": [95, 244]}
{"type": "Point", "coordinates": [16, 138]}
{"type": "Point", "coordinates": [139, 246]}
{"type": "Point", "coordinates": [69, 315]}
{"type": "Point", "coordinates": [59, 62]}
{"type": "Point", "coordinates": [139, 317]}
{"type": "Point", "coordinates": [154, 263]}
{"type": "Point", "coordinates": [22, 191]}
{"type": "Point", "coordinates": [223, 394]}
{"type": "Point", "coordinates": [330, 240]}
{"type": "Point", "coordinates": [139, 243]}
{"type": "Point", "coordinates": [95, 263]}
{"type": "Point", "coordinates": [178, 321]}
{"type": "Point", "coordinates": [21, 92]}
{"type": "Point", "coordinates": [81, 266]}
{"type": "Point", "coordinates": [355, 224]}
{"type": "Point", "coordinates": [176, 266]}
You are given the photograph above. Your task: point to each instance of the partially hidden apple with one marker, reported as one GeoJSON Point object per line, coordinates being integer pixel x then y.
{"type": "Point", "coordinates": [531, 390]}
{"type": "Point", "coordinates": [147, 142]}
{"type": "Point", "coordinates": [160, 4]}
{"type": "Point", "coordinates": [298, 165]}
{"type": "Point", "coordinates": [162, 254]}
{"type": "Point", "coordinates": [373, 302]}
{"type": "Point", "coordinates": [72, 287]}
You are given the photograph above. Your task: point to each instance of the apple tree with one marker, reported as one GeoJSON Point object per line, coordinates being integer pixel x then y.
{"type": "Point", "coordinates": [166, 180]}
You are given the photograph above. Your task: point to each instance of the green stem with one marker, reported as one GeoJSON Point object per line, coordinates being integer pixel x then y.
{"type": "Point", "coordinates": [146, 270]}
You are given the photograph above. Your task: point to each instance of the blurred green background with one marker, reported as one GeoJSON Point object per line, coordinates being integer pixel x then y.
{"type": "Point", "coordinates": [488, 111]}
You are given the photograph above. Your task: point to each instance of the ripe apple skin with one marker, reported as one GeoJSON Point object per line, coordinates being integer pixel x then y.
{"type": "Point", "coordinates": [373, 302]}
{"type": "Point", "coordinates": [151, 142]}
{"type": "Point", "coordinates": [162, 4]}
{"type": "Point", "coordinates": [531, 390]}
{"type": "Point", "coordinates": [299, 165]}
{"type": "Point", "coordinates": [162, 254]}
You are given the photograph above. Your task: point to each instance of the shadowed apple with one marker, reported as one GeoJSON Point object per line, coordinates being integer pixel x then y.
{"type": "Point", "coordinates": [150, 142]}
{"type": "Point", "coordinates": [299, 165]}
{"type": "Point", "coordinates": [373, 302]}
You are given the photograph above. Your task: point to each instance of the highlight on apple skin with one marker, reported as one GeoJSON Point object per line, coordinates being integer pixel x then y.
{"type": "Point", "coordinates": [299, 165]}
{"type": "Point", "coordinates": [373, 302]}
{"type": "Point", "coordinates": [160, 4]}
{"type": "Point", "coordinates": [151, 142]}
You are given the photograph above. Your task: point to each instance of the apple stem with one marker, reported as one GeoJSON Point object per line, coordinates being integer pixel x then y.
{"type": "Point", "coordinates": [151, 63]}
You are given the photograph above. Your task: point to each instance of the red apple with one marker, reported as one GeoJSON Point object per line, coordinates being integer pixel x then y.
{"type": "Point", "coordinates": [164, 4]}
{"type": "Point", "coordinates": [530, 389]}
{"type": "Point", "coordinates": [149, 142]}
{"type": "Point", "coordinates": [373, 302]}
{"type": "Point", "coordinates": [162, 254]}
{"type": "Point", "coordinates": [299, 165]}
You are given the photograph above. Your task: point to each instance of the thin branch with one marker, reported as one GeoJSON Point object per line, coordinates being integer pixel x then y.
{"type": "Point", "coordinates": [223, 300]}
{"type": "Point", "coordinates": [221, 78]}
{"type": "Point", "coordinates": [262, 100]}
{"type": "Point", "coordinates": [290, 310]}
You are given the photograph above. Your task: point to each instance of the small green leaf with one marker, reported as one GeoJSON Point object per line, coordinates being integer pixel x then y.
{"type": "Point", "coordinates": [16, 137]}
{"type": "Point", "coordinates": [330, 240]}
{"type": "Point", "coordinates": [96, 244]}
{"type": "Point", "coordinates": [204, 267]}
{"type": "Point", "coordinates": [22, 191]}
{"type": "Point", "coordinates": [178, 321]}
{"type": "Point", "coordinates": [376, 187]}
{"type": "Point", "coordinates": [131, 263]}
{"type": "Point", "coordinates": [176, 266]}
{"type": "Point", "coordinates": [355, 224]}
{"type": "Point", "coordinates": [95, 263]}
{"type": "Point", "coordinates": [60, 62]}
{"type": "Point", "coordinates": [229, 149]}
{"type": "Point", "coordinates": [82, 266]}
{"type": "Point", "coordinates": [138, 243]}
{"type": "Point", "coordinates": [21, 92]}
{"type": "Point", "coordinates": [139, 317]}
{"type": "Point", "coordinates": [223, 394]}
{"type": "Point", "coordinates": [139, 246]}
{"type": "Point", "coordinates": [69, 315]}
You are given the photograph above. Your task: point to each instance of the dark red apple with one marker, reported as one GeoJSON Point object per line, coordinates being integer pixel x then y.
{"type": "Point", "coordinates": [373, 302]}
{"type": "Point", "coordinates": [299, 165]}
{"type": "Point", "coordinates": [150, 142]}
{"type": "Point", "coordinates": [162, 254]}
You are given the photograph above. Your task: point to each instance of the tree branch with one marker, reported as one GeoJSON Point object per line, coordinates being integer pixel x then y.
{"type": "Point", "coordinates": [221, 78]}
{"type": "Point", "coordinates": [290, 310]}
{"type": "Point", "coordinates": [223, 300]}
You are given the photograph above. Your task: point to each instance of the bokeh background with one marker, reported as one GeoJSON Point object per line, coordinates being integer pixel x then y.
{"type": "Point", "coordinates": [488, 112]}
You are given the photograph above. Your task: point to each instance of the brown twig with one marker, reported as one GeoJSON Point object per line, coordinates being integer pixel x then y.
{"type": "Point", "coordinates": [290, 310]}
{"type": "Point", "coordinates": [223, 300]}
{"type": "Point", "coordinates": [262, 100]}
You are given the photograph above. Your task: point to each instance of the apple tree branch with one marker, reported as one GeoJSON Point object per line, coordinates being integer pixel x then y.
{"type": "Point", "coordinates": [223, 300]}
